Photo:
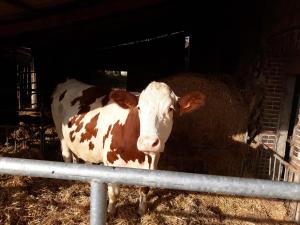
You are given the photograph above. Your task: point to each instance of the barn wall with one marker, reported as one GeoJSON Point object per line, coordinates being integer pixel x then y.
{"type": "Point", "coordinates": [280, 50]}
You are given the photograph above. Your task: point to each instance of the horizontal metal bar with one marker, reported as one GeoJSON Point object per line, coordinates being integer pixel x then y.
{"type": "Point", "coordinates": [152, 178]}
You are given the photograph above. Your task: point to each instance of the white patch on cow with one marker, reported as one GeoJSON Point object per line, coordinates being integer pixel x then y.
{"type": "Point", "coordinates": [156, 105]}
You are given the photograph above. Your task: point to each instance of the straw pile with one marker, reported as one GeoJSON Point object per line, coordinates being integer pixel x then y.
{"type": "Point", "coordinates": [35, 201]}
{"type": "Point", "coordinates": [212, 137]}
{"type": "Point", "coordinates": [52, 202]}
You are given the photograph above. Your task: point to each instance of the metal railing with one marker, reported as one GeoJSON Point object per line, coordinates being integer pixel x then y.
{"type": "Point", "coordinates": [280, 170]}
{"type": "Point", "coordinates": [98, 176]}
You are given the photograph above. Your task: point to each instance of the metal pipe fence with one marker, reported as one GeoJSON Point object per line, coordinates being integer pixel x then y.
{"type": "Point", "coordinates": [98, 176]}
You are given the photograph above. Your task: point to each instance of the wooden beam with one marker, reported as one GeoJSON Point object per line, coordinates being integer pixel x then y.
{"type": "Point", "coordinates": [20, 4]}
{"type": "Point", "coordinates": [103, 9]}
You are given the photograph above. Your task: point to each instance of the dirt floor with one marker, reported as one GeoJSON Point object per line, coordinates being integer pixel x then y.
{"type": "Point", "coordinates": [25, 200]}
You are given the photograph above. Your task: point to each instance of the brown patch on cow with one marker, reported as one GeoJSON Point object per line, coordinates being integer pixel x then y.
{"type": "Point", "coordinates": [72, 138]}
{"type": "Point", "coordinates": [78, 128]}
{"type": "Point", "coordinates": [72, 121]}
{"type": "Point", "coordinates": [124, 139]}
{"type": "Point", "coordinates": [90, 129]}
{"type": "Point", "coordinates": [87, 98]}
{"type": "Point", "coordinates": [111, 157]}
{"type": "Point", "coordinates": [106, 135]}
{"type": "Point", "coordinates": [62, 95]}
{"type": "Point", "coordinates": [77, 120]}
{"type": "Point", "coordinates": [91, 146]}
{"type": "Point", "coordinates": [123, 98]}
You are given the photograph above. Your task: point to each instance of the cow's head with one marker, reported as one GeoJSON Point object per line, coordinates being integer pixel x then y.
{"type": "Point", "coordinates": [156, 106]}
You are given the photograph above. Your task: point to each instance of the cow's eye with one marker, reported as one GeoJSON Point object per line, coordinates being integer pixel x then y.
{"type": "Point", "coordinates": [138, 108]}
{"type": "Point", "coordinates": [171, 109]}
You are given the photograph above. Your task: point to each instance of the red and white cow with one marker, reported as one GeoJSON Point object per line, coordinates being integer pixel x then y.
{"type": "Point", "coordinates": [118, 128]}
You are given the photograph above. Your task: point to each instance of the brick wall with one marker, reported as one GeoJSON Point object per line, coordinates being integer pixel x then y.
{"type": "Point", "coordinates": [273, 72]}
{"type": "Point", "coordinates": [279, 48]}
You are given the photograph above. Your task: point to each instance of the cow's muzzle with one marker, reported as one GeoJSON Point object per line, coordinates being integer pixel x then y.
{"type": "Point", "coordinates": [149, 144]}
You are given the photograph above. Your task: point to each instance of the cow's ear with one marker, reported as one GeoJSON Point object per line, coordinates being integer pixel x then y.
{"type": "Point", "coordinates": [124, 98]}
{"type": "Point", "coordinates": [190, 102]}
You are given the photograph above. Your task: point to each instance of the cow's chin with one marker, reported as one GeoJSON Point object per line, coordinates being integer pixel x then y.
{"type": "Point", "coordinates": [151, 151]}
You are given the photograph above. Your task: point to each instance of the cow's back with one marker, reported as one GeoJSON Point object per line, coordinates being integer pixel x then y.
{"type": "Point", "coordinates": [61, 105]}
{"type": "Point", "coordinates": [75, 110]}
{"type": "Point", "coordinates": [84, 116]}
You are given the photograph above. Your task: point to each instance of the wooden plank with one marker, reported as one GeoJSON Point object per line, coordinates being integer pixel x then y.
{"type": "Point", "coordinates": [103, 9]}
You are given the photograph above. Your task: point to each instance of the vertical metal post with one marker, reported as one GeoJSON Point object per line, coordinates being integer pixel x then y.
{"type": "Point", "coordinates": [98, 203]}
{"type": "Point", "coordinates": [270, 166]}
{"type": "Point", "coordinates": [280, 171]}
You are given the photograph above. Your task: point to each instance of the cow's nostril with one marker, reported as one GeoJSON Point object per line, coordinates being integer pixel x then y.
{"type": "Point", "coordinates": [155, 143]}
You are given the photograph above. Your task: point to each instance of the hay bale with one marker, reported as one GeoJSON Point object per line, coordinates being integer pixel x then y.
{"type": "Point", "coordinates": [217, 127]}
{"type": "Point", "coordinates": [223, 116]}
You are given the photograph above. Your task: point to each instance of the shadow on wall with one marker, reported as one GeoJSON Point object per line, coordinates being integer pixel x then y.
{"type": "Point", "coordinates": [212, 139]}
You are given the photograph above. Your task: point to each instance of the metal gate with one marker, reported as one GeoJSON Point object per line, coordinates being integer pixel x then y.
{"type": "Point", "coordinates": [98, 176]}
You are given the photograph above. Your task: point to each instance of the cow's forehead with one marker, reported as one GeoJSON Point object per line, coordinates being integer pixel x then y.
{"type": "Point", "coordinates": [157, 92]}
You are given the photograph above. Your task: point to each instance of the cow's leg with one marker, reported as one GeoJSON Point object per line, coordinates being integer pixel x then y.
{"type": "Point", "coordinates": [75, 159]}
{"type": "Point", "coordinates": [113, 194]}
{"type": "Point", "coordinates": [143, 200]}
{"type": "Point", "coordinates": [66, 153]}
{"type": "Point", "coordinates": [144, 190]}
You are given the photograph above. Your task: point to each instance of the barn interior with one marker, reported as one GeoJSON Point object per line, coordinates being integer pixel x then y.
{"type": "Point", "coordinates": [242, 54]}
{"type": "Point", "coordinates": [148, 40]}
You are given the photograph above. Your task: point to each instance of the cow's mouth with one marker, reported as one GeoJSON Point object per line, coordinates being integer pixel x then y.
{"type": "Point", "coordinates": [149, 144]}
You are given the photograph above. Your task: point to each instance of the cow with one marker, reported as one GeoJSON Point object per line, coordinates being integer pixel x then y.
{"type": "Point", "coordinates": [116, 127]}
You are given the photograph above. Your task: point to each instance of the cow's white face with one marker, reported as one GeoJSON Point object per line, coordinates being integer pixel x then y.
{"type": "Point", "coordinates": [156, 107]}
